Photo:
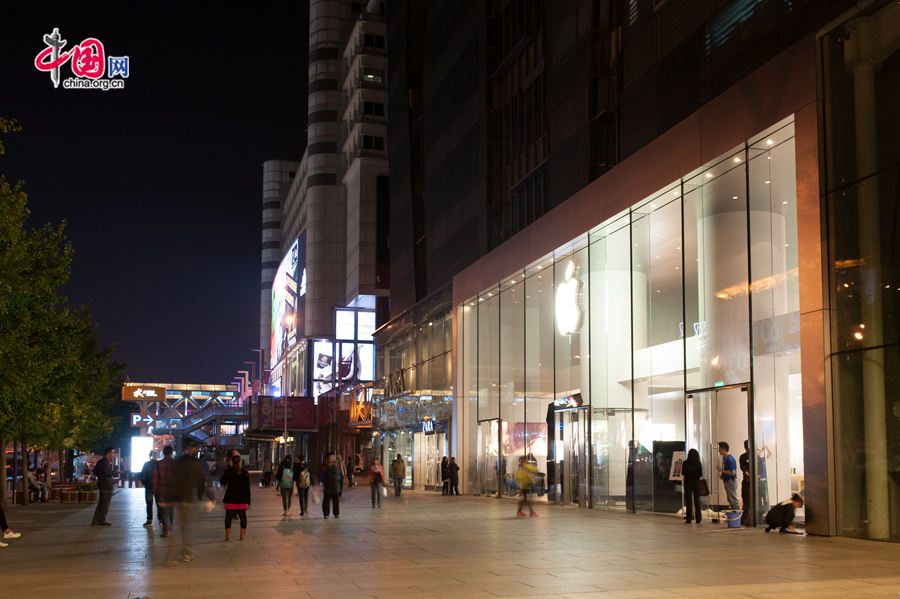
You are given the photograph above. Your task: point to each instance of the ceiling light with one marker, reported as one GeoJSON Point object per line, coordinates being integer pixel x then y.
{"type": "Point", "coordinates": [709, 175]}
{"type": "Point", "coordinates": [734, 197]}
{"type": "Point", "coordinates": [737, 158]}
{"type": "Point", "coordinates": [769, 142]}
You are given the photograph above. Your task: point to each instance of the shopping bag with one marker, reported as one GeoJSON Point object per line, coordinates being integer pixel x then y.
{"type": "Point", "coordinates": [315, 495]}
{"type": "Point", "coordinates": [383, 491]}
{"type": "Point", "coordinates": [703, 487]}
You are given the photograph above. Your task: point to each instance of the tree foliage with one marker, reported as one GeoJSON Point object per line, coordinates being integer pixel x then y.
{"type": "Point", "coordinates": [57, 383]}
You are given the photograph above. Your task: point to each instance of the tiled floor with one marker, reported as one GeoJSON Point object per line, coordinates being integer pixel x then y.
{"type": "Point", "coordinates": [422, 545]}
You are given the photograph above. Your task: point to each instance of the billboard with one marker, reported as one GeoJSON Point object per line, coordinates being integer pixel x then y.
{"type": "Point", "coordinates": [288, 300]}
{"type": "Point", "coordinates": [143, 393]}
{"type": "Point", "coordinates": [270, 413]}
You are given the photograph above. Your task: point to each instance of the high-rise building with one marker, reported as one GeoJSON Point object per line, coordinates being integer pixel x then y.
{"type": "Point", "coordinates": [328, 216]}
{"type": "Point", "coordinates": [670, 232]}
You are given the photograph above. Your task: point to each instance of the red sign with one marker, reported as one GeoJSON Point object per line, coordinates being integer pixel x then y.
{"type": "Point", "coordinates": [270, 413]}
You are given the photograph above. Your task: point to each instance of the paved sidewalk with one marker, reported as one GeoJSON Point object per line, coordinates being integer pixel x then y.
{"type": "Point", "coordinates": [425, 545]}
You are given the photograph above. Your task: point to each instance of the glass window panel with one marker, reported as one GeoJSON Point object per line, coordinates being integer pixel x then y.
{"type": "Point", "coordinates": [719, 342]}
{"type": "Point", "coordinates": [658, 348]}
{"type": "Point", "coordinates": [366, 325]}
{"type": "Point", "coordinates": [512, 382]}
{"type": "Point", "coordinates": [344, 324]}
{"type": "Point", "coordinates": [570, 301]}
{"type": "Point", "coordinates": [366, 361]}
{"type": "Point", "coordinates": [610, 361]}
{"type": "Point", "coordinates": [488, 356]}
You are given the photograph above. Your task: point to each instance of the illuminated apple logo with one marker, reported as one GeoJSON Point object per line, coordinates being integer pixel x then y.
{"type": "Point", "coordinates": [569, 312]}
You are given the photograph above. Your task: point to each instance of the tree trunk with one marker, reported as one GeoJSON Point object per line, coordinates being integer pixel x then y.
{"type": "Point", "coordinates": [26, 494]}
{"type": "Point", "coordinates": [3, 488]}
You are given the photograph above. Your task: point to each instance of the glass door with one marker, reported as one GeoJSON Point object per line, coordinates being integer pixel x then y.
{"type": "Point", "coordinates": [714, 416]}
{"type": "Point", "coordinates": [488, 457]}
{"type": "Point", "coordinates": [571, 454]}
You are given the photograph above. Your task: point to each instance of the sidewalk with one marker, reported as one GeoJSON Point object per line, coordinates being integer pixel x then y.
{"type": "Point", "coordinates": [426, 545]}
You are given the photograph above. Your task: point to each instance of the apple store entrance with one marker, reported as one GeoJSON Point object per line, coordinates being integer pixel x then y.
{"type": "Point", "coordinates": [671, 326]}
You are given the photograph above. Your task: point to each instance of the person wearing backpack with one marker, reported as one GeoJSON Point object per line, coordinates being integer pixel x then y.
{"type": "Point", "coordinates": [303, 480]}
{"type": "Point", "coordinates": [285, 480]}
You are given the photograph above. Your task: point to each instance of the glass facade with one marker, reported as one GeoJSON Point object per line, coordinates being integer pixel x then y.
{"type": "Point", "coordinates": [861, 83]}
{"type": "Point", "coordinates": [671, 326]}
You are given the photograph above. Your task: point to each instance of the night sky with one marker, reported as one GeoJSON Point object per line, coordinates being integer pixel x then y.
{"type": "Point", "coordinates": [161, 183]}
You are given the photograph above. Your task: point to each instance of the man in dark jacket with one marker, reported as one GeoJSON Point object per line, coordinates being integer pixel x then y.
{"type": "Point", "coordinates": [334, 484]}
{"type": "Point", "coordinates": [147, 480]}
{"type": "Point", "coordinates": [104, 473]}
{"type": "Point", "coordinates": [303, 480]}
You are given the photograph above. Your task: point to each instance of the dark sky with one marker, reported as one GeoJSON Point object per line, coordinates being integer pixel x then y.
{"type": "Point", "coordinates": [161, 182]}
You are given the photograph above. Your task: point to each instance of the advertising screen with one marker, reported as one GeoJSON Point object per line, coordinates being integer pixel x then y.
{"type": "Point", "coordinates": [140, 452]}
{"type": "Point", "coordinates": [288, 300]}
{"type": "Point", "coordinates": [301, 412]}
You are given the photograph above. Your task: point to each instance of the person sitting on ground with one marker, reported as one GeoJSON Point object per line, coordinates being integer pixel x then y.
{"type": "Point", "coordinates": [782, 515]}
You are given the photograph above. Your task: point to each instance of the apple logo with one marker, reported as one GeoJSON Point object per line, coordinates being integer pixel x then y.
{"type": "Point", "coordinates": [569, 313]}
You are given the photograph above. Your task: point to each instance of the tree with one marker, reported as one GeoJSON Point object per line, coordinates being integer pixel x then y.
{"type": "Point", "coordinates": [55, 380]}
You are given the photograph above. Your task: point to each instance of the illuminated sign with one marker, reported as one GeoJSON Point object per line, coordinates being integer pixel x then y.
{"type": "Point", "coordinates": [141, 393]}
{"type": "Point", "coordinates": [572, 401]}
{"type": "Point", "coordinates": [141, 420]}
{"type": "Point", "coordinates": [428, 427]}
{"type": "Point", "coordinates": [140, 451]}
{"type": "Point", "coordinates": [568, 309]}
{"type": "Point", "coordinates": [288, 300]}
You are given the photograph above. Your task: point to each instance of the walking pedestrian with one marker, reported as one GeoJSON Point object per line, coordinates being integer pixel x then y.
{"type": "Point", "coordinates": [285, 478]}
{"type": "Point", "coordinates": [744, 464]}
{"type": "Point", "coordinates": [692, 472]}
{"type": "Point", "coordinates": [376, 481]}
{"type": "Point", "coordinates": [189, 488]}
{"type": "Point", "coordinates": [267, 473]}
{"type": "Point", "coordinates": [398, 473]}
{"type": "Point", "coordinates": [147, 480]}
{"type": "Point", "coordinates": [334, 485]}
{"type": "Point", "coordinates": [728, 473]}
{"type": "Point", "coordinates": [525, 478]}
{"type": "Point", "coordinates": [164, 490]}
{"type": "Point", "coordinates": [445, 476]}
{"type": "Point", "coordinates": [237, 495]}
{"type": "Point", "coordinates": [303, 480]}
{"type": "Point", "coordinates": [350, 471]}
{"type": "Point", "coordinates": [4, 529]}
{"type": "Point", "coordinates": [104, 473]}
{"type": "Point", "coordinates": [454, 476]}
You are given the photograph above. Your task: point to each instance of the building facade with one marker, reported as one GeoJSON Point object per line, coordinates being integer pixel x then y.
{"type": "Point", "coordinates": [682, 235]}
{"type": "Point", "coordinates": [722, 283]}
{"type": "Point", "coordinates": [330, 278]}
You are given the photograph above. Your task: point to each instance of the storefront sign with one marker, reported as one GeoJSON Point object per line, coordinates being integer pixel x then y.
{"type": "Point", "coordinates": [568, 308]}
{"type": "Point", "coordinates": [136, 393]}
{"type": "Point", "coordinates": [271, 413]}
{"type": "Point", "coordinates": [428, 427]}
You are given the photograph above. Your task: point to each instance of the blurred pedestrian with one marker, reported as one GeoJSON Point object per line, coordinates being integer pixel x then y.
{"type": "Point", "coordinates": [524, 479]}
{"type": "Point", "coordinates": [104, 473]}
{"type": "Point", "coordinates": [376, 481]}
{"type": "Point", "coordinates": [190, 487]}
{"type": "Point", "coordinates": [350, 471]}
{"type": "Point", "coordinates": [285, 479]}
{"type": "Point", "coordinates": [164, 490]}
{"type": "Point", "coordinates": [453, 467]}
{"type": "Point", "coordinates": [334, 485]}
{"type": "Point", "coordinates": [237, 495]}
{"type": "Point", "coordinates": [445, 476]}
{"type": "Point", "coordinates": [691, 473]}
{"type": "Point", "coordinates": [782, 515]}
{"type": "Point", "coordinates": [147, 480]}
{"type": "Point", "coordinates": [398, 473]}
{"type": "Point", "coordinates": [303, 480]}
{"type": "Point", "coordinates": [4, 529]}
{"type": "Point", "coordinates": [267, 473]}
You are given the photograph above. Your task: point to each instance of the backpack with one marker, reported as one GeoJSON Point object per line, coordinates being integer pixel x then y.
{"type": "Point", "coordinates": [304, 478]}
{"type": "Point", "coordinates": [287, 479]}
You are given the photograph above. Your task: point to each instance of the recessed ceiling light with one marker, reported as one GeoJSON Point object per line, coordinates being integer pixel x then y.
{"type": "Point", "coordinates": [708, 175]}
{"type": "Point", "coordinates": [734, 197]}
{"type": "Point", "coordinates": [767, 182]}
{"type": "Point", "coordinates": [737, 158]}
{"type": "Point", "coordinates": [769, 142]}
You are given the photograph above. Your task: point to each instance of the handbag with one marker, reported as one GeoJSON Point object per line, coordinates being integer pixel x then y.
{"type": "Point", "coordinates": [703, 488]}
